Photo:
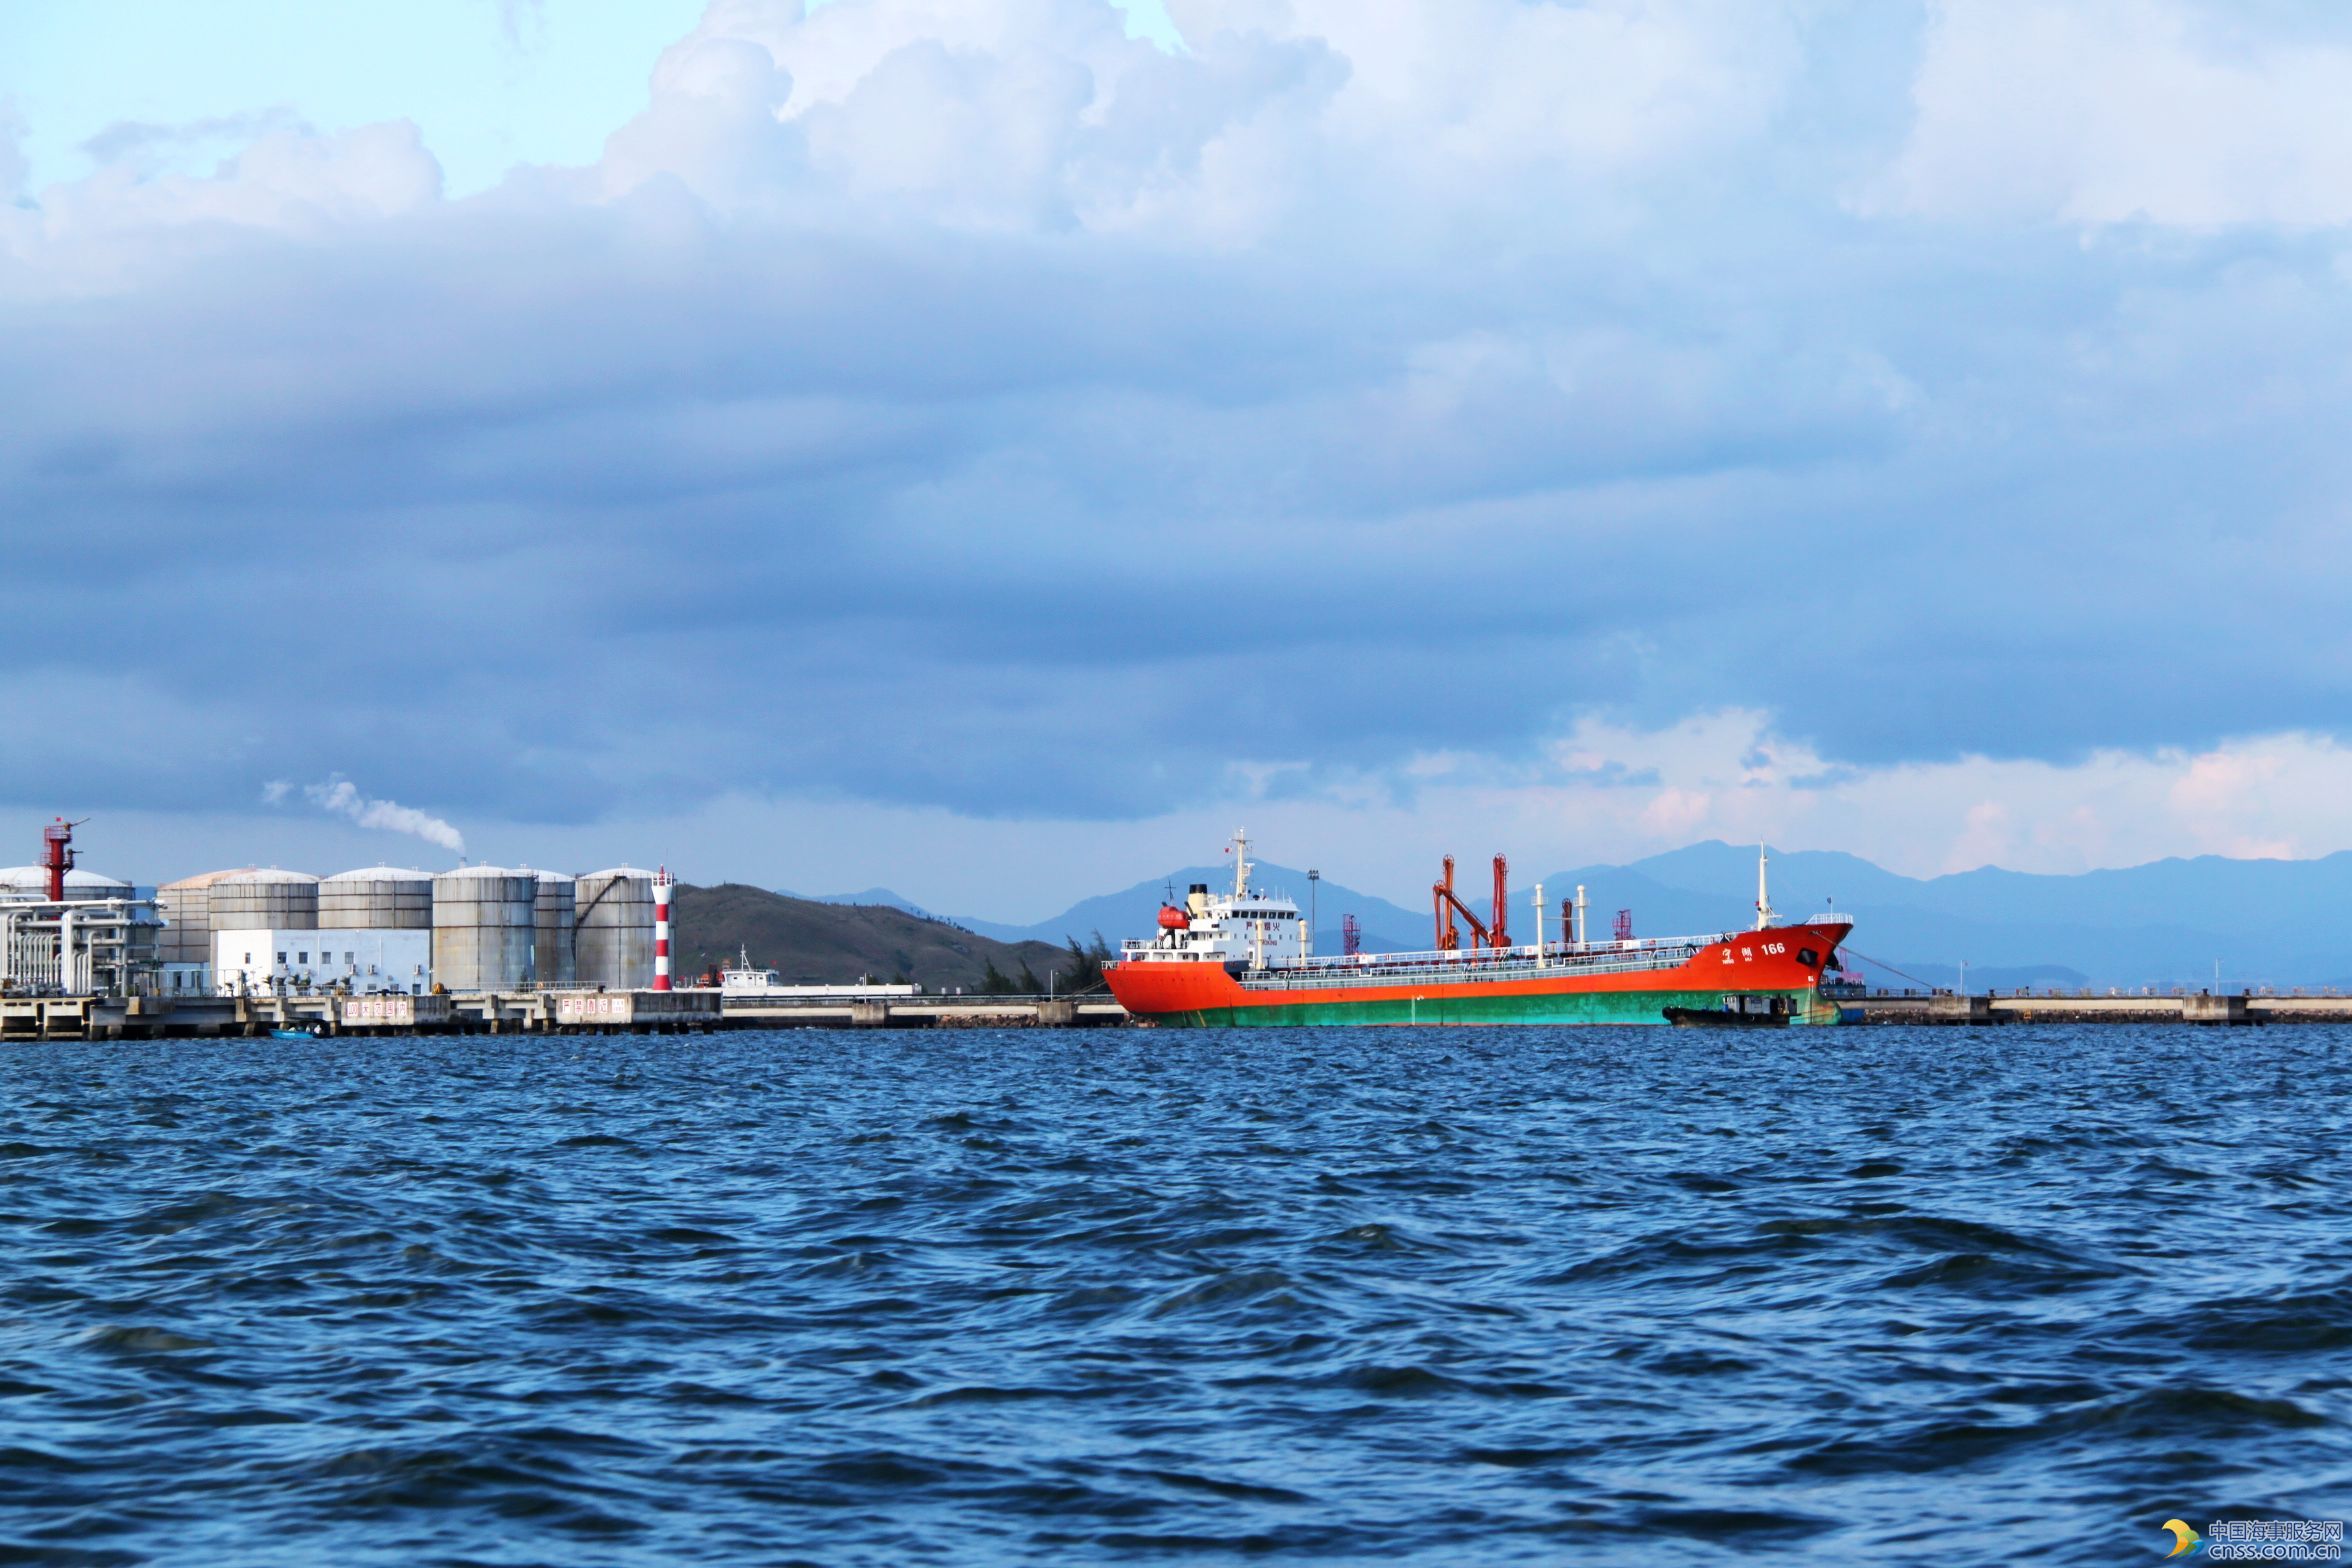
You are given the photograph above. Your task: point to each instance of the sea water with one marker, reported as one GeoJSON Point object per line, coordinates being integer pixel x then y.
{"type": "Point", "coordinates": [1159, 1296]}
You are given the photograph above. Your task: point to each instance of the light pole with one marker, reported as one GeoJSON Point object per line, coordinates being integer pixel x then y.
{"type": "Point", "coordinates": [1313, 878]}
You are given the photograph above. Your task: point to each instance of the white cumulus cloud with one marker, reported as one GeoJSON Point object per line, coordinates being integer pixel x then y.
{"type": "Point", "coordinates": [2177, 112]}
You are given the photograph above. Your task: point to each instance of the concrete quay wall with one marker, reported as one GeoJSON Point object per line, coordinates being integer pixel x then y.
{"type": "Point", "coordinates": [522, 1012]}
{"type": "Point", "coordinates": [2195, 1008]}
{"type": "Point", "coordinates": [224, 1017]}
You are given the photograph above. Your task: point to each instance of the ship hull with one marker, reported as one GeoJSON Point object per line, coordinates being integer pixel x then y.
{"type": "Point", "coordinates": [1783, 962]}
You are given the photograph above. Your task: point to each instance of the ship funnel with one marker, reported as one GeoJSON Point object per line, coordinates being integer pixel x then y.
{"type": "Point", "coordinates": [1196, 900]}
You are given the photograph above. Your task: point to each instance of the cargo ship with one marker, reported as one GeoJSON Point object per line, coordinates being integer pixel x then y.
{"type": "Point", "coordinates": [1245, 957]}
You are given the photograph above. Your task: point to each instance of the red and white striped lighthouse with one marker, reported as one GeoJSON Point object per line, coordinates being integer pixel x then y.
{"type": "Point", "coordinates": [661, 929]}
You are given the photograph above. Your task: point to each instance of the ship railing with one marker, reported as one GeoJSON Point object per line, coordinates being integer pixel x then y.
{"type": "Point", "coordinates": [1550, 952]}
{"type": "Point", "coordinates": [1492, 965]}
{"type": "Point", "coordinates": [1831, 917]}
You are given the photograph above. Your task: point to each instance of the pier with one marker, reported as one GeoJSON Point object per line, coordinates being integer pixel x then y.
{"type": "Point", "coordinates": [929, 1012]}
{"type": "Point", "coordinates": [24, 1018]}
{"type": "Point", "coordinates": [2195, 1007]}
{"type": "Point", "coordinates": [225, 1017]}
{"type": "Point", "coordinates": [526, 1012]}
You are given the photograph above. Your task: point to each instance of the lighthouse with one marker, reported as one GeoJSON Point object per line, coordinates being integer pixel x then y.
{"type": "Point", "coordinates": [662, 882]}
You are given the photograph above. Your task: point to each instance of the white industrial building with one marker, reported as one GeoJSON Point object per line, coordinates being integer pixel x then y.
{"type": "Point", "coordinates": [261, 961]}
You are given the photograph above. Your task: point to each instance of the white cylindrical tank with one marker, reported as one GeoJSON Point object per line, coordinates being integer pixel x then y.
{"type": "Point", "coordinates": [485, 919]}
{"type": "Point", "coordinates": [614, 913]}
{"type": "Point", "coordinates": [378, 898]}
{"type": "Point", "coordinates": [553, 954]}
{"type": "Point", "coordinates": [186, 907]}
{"type": "Point", "coordinates": [269, 900]}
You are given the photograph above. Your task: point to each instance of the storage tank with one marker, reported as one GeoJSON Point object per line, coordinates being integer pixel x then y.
{"type": "Point", "coordinates": [378, 898]}
{"type": "Point", "coordinates": [21, 882]}
{"type": "Point", "coordinates": [614, 940]}
{"type": "Point", "coordinates": [552, 953]}
{"type": "Point", "coordinates": [186, 906]}
{"type": "Point", "coordinates": [269, 900]}
{"type": "Point", "coordinates": [484, 921]}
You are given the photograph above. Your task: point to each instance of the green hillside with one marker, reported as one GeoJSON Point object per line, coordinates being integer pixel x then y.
{"type": "Point", "coordinates": [811, 943]}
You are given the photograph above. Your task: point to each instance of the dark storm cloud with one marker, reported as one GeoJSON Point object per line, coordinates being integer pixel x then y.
{"type": "Point", "coordinates": [788, 456]}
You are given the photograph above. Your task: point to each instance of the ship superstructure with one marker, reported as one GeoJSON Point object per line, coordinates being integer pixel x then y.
{"type": "Point", "coordinates": [1246, 958]}
{"type": "Point", "coordinates": [1248, 927]}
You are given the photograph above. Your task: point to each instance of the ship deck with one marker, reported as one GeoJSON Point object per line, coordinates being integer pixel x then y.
{"type": "Point", "coordinates": [1491, 965]}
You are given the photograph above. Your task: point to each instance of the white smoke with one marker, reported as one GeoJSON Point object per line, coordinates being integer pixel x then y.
{"type": "Point", "coordinates": [341, 796]}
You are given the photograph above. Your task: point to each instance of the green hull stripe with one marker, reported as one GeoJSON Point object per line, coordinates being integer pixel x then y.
{"type": "Point", "coordinates": [1584, 1007]}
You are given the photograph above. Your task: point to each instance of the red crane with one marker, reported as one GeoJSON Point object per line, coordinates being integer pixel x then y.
{"type": "Point", "coordinates": [1624, 925]}
{"type": "Point", "coordinates": [1351, 937]}
{"type": "Point", "coordinates": [1447, 906]}
{"type": "Point", "coordinates": [1447, 903]}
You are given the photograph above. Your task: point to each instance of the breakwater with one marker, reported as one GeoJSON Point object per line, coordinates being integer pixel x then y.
{"type": "Point", "coordinates": [2196, 1007]}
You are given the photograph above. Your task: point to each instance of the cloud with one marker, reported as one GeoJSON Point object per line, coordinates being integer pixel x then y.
{"type": "Point", "coordinates": [522, 21]}
{"type": "Point", "coordinates": [140, 141]}
{"type": "Point", "coordinates": [13, 167]}
{"type": "Point", "coordinates": [2182, 112]}
{"type": "Point", "coordinates": [973, 409]}
{"type": "Point", "coordinates": [341, 797]}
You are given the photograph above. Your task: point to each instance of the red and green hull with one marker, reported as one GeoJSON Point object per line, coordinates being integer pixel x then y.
{"type": "Point", "coordinates": [1785, 961]}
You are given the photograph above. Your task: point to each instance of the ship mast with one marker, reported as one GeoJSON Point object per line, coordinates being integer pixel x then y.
{"type": "Point", "coordinates": [1764, 914]}
{"type": "Point", "coordinates": [1241, 865]}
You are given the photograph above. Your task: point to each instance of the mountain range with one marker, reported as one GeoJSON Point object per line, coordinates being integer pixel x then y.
{"type": "Point", "coordinates": [2263, 922]}
{"type": "Point", "coordinates": [808, 942]}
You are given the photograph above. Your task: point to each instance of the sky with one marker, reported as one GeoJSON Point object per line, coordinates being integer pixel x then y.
{"type": "Point", "coordinates": [993, 448]}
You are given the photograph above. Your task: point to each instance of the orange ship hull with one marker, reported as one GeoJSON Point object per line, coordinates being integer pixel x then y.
{"type": "Point", "coordinates": [1600, 985]}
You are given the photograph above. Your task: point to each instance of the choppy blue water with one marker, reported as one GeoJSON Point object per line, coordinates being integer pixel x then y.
{"type": "Point", "coordinates": [1160, 1296]}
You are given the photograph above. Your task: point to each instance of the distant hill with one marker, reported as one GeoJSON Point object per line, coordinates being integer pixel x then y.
{"type": "Point", "coordinates": [1130, 912]}
{"type": "Point", "coordinates": [2275, 922]}
{"type": "Point", "coordinates": [811, 942]}
{"type": "Point", "coordinates": [2267, 922]}
{"type": "Point", "coordinates": [881, 897]}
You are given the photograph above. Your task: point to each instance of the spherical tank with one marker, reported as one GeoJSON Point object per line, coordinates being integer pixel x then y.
{"type": "Point", "coordinates": [553, 954]}
{"type": "Point", "coordinates": [614, 911]}
{"type": "Point", "coordinates": [265, 901]}
{"type": "Point", "coordinates": [186, 907]}
{"type": "Point", "coordinates": [484, 923]}
{"type": "Point", "coordinates": [378, 898]}
{"type": "Point", "coordinates": [21, 882]}
{"type": "Point", "coordinates": [81, 887]}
